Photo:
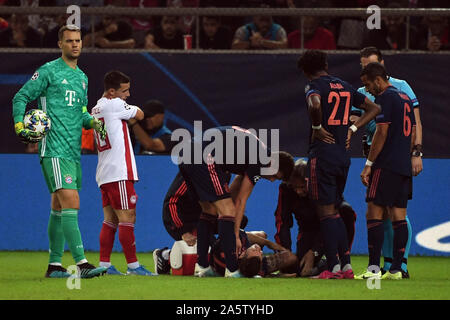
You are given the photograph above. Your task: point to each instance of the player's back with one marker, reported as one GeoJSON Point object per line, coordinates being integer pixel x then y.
{"type": "Point", "coordinates": [337, 97]}
{"type": "Point", "coordinates": [116, 160]}
{"type": "Point", "coordinates": [397, 111]}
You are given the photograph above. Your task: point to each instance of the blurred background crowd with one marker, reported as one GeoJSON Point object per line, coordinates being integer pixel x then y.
{"type": "Point", "coordinates": [429, 33]}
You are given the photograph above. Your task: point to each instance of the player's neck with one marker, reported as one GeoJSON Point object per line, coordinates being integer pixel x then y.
{"type": "Point", "coordinates": [70, 62]}
{"type": "Point", "coordinates": [319, 74]}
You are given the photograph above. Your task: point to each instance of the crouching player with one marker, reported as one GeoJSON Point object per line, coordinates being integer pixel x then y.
{"type": "Point", "coordinates": [293, 200]}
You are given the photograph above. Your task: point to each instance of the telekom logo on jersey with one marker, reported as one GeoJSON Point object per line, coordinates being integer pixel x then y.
{"type": "Point", "coordinates": [235, 149]}
{"type": "Point", "coordinates": [70, 97]}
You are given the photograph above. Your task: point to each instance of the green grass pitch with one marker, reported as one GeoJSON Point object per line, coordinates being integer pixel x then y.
{"type": "Point", "coordinates": [22, 277]}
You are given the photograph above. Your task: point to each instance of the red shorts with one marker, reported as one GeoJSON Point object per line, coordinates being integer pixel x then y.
{"type": "Point", "coordinates": [120, 195]}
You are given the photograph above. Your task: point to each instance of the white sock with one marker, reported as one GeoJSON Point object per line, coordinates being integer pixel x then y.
{"type": "Point", "coordinates": [55, 264]}
{"type": "Point", "coordinates": [105, 264]}
{"type": "Point", "coordinates": [133, 265]}
{"type": "Point", "coordinates": [336, 268]}
{"type": "Point", "coordinates": [81, 261]}
{"type": "Point", "coordinates": [165, 254]}
{"type": "Point", "coordinates": [348, 266]}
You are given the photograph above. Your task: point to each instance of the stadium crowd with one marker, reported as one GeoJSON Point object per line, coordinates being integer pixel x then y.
{"type": "Point", "coordinates": [260, 32]}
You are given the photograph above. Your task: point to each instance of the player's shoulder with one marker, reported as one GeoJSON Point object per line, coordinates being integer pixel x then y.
{"type": "Point", "coordinates": [46, 69]}
{"type": "Point", "coordinates": [83, 74]}
{"type": "Point", "coordinates": [401, 85]}
{"type": "Point", "coordinates": [398, 83]}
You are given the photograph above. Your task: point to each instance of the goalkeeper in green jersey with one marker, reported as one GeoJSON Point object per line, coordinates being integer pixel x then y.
{"type": "Point", "coordinates": [60, 88]}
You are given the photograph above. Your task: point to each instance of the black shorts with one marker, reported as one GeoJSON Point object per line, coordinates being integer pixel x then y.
{"type": "Point", "coordinates": [174, 222]}
{"type": "Point", "coordinates": [388, 189]}
{"type": "Point", "coordinates": [326, 182]}
{"type": "Point", "coordinates": [207, 181]}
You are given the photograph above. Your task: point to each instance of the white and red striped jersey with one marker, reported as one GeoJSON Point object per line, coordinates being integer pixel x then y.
{"type": "Point", "coordinates": [115, 153]}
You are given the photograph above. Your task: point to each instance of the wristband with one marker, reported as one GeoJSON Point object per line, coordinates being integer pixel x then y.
{"type": "Point", "coordinates": [369, 163]}
{"type": "Point", "coordinates": [353, 128]}
{"type": "Point", "coordinates": [316, 127]}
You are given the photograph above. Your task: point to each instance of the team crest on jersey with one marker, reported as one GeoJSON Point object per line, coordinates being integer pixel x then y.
{"type": "Point", "coordinates": [35, 76]}
{"type": "Point", "coordinates": [133, 199]}
{"type": "Point", "coordinates": [256, 178]}
{"type": "Point", "coordinates": [68, 179]}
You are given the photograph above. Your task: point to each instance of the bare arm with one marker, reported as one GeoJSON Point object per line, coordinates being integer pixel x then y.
{"type": "Point", "coordinates": [271, 44]}
{"type": "Point", "coordinates": [245, 190]}
{"type": "Point", "coordinates": [148, 143]}
{"type": "Point", "coordinates": [371, 110]}
{"type": "Point", "coordinates": [379, 138]}
{"type": "Point", "coordinates": [315, 113]}
{"type": "Point", "coordinates": [150, 42]}
{"type": "Point", "coordinates": [264, 242]}
{"type": "Point", "coordinates": [235, 186]}
{"type": "Point", "coordinates": [416, 162]}
{"type": "Point", "coordinates": [102, 42]}
{"type": "Point", "coordinates": [240, 45]}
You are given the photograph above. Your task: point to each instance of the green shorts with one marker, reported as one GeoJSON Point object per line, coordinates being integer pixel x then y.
{"type": "Point", "coordinates": [61, 174]}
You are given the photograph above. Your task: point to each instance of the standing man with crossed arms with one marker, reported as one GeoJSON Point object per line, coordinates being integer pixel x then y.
{"type": "Point", "coordinates": [61, 89]}
{"type": "Point", "coordinates": [117, 172]}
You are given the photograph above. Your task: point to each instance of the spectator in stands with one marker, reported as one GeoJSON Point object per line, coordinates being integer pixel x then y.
{"type": "Point", "coordinates": [213, 35]}
{"type": "Point", "coordinates": [166, 36]}
{"type": "Point", "coordinates": [329, 23]}
{"type": "Point", "coordinates": [185, 22]}
{"type": "Point", "coordinates": [392, 35]}
{"type": "Point", "coordinates": [51, 37]}
{"type": "Point", "coordinates": [111, 33]}
{"type": "Point", "coordinates": [39, 23]}
{"type": "Point", "coordinates": [314, 36]}
{"type": "Point", "coordinates": [20, 34]}
{"type": "Point", "coordinates": [262, 33]}
{"type": "Point", "coordinates": [142, 25]}
{"type": "Point", "coordinates": [233, 22]}
{"type": "Point", "coordinates": [434, 34]}
{"type": "Point", "coordinates": [85, 19]}
{"type": "Point", "coordinates": [3, 24]}
{"type": "Point", "coordinates": [286, 22]}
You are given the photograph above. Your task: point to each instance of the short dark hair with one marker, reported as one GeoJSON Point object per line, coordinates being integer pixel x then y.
{"type": "Point", "coordinates": [69, 27]}
{"type": "Point", "coordinates": [369, 51]}
{"type": "Point", "coordinates": [313, 61]}
{"type": "Point", "coordinates": [286, 164]}
{"type": "Point", "coordinates": [113, 79]}
{"type": "Point", "coordinates": [249, 267]}
{"type": "Point", "coordinates": [373, 70]}
{"type": "Point", "coordinates": [299, 170]}
{"type": "Point", "coordinates": [152, 107]}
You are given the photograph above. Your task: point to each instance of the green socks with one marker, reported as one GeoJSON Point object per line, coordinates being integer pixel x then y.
{"type": "Point", "coordinates": [55, 238]}
{"type": "Point", "coordinates": [69, 221]}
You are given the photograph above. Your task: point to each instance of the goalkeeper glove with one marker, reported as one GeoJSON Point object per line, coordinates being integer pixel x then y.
{"type": "Point", "coordinates": [99, 126]}
{"type": "Point", "coordinates": [26, 135]}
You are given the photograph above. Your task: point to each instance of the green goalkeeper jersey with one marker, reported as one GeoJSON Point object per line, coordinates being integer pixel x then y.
{"type": "Point", "coordinates": [61, 92]}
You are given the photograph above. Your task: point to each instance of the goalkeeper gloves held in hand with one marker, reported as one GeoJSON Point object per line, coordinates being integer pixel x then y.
{"type": "Point", "coordinates": [26, 135]}
{"type": "Point", "coordinates": [99, 126]}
